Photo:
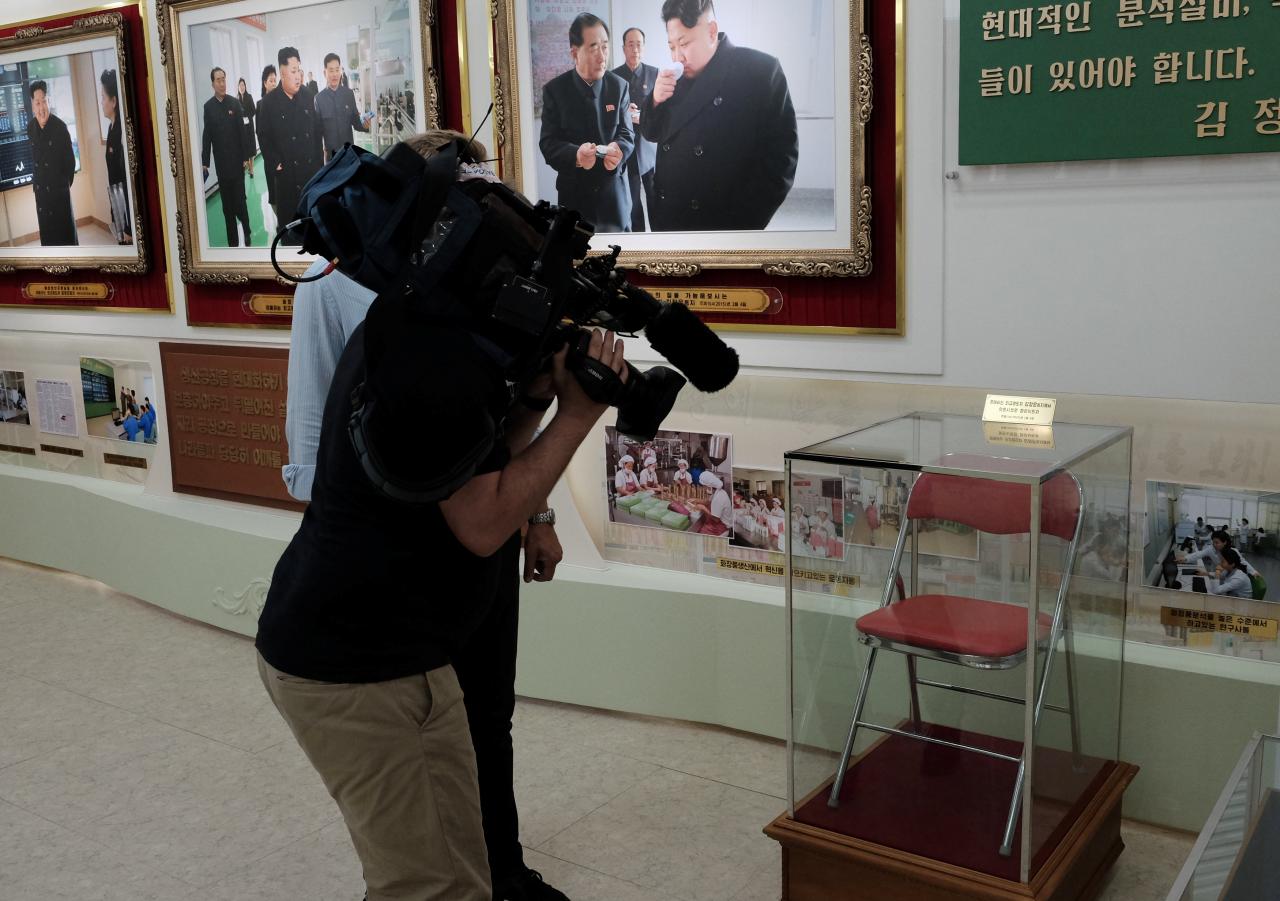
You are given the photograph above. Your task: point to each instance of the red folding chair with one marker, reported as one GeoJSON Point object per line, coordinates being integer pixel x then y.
{"type": "Point", "coordinates": [972, 632]}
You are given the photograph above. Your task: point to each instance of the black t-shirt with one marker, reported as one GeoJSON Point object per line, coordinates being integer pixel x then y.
{"type": "Point", "coordinates": [372, 588]}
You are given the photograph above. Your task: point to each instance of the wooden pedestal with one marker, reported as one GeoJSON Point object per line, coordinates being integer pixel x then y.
{"type": "Point", "coordinates": [820, 865]}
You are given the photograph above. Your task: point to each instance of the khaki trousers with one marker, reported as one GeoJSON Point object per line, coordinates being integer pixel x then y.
{"type": "Point", "coordinates": [397, 757]}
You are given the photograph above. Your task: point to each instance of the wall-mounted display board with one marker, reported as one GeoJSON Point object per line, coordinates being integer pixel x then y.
{"type": "Point", "coordinates": [872, 304]}
{"type": "Point", "coordinates": [225, 412]}
{"type": "Point", "coordinates": [261, 94]}
{"type": "Point", "coordinates": [80, 214]}
{"type": "Point", "coordinates": [1044, 82]}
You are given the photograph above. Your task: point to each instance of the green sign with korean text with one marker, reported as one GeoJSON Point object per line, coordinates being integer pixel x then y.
{"type": "Point", "coordinates": [1108, 79]}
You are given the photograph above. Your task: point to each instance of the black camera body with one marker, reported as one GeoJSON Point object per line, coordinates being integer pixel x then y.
{"type": "Point", "coordinates": [475, 253]}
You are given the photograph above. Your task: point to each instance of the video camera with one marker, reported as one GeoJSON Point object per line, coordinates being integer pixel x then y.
{"type": "Point", "coordinates": [452, 238]}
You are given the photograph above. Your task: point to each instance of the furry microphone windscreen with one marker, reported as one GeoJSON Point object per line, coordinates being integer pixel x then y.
{"type": "Point", "coordinates": [690, 346]}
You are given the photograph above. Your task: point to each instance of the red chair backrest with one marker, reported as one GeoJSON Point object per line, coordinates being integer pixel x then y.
{"type": "Point", "coordinates": [1002, 508]}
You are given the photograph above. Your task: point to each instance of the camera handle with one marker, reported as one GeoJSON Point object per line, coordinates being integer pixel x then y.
{"type": "Point", "coordinates": [599, 381]}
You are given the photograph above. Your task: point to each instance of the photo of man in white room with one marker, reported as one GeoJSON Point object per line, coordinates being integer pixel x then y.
{"type": "Point", "coordinates": [13, 398]}
{"type": "Point", "coordinates": [65, 174]}
{"type": "Point", "coordinates": [252, 158]}
{"type": "Point", "coordinates": [119, 400]}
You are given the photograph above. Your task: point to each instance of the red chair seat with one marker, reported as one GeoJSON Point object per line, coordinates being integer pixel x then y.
{"type": "Point", "coordinates": [958, 625]}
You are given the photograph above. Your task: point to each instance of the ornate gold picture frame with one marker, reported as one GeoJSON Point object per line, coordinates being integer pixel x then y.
{"type": "Point", "coordinates": [822, 227]}
{"type": "Point", "coordinates": [69, 191]}
{"type": "Point", "coordinates": [372, 76]}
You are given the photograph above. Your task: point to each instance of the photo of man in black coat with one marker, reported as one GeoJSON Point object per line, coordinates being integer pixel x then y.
{"type": "Point", "coordinates": [223, 136]}
{"type": "Point", "coordinates": [289, 133]}
{"type": "Point", "coordinates": [55, 165]}
{"type": "Point", "coordinates": [336, 104]}
{"type": "Point", "coordinates": [586, 130]}
{"type": "Point", "coordinates": [640, 78]}
{"type": "Point", "coordinates": [725, 129]}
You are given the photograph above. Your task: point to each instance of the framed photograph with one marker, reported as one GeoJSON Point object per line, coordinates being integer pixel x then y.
{"type": "Point", "coordinates": [118, 397]}
{"type": "Point", "coordinates": [69, 184]}
{"type": "Point", "coordinates": [262, 93]}
{"type": "Point", "coordinates": [678, 481]}
{"type": "Point", "coordinates": [732, 134]}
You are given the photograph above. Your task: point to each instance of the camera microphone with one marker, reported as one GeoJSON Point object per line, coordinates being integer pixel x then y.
{"type": "Point", "coordinates": [693, 348]}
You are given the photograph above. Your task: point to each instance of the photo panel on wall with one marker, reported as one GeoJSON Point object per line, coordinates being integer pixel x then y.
{"type": "Point", "coordinates": [817, 516]}
{"type": "Point", "coordinates": [118, 398]}
{"type": "Point", "coordinates": [694, 134]}
{"type": "Point", "coordinates": [266, 92]}
{"type": "Point", "coordinates": [14, 407]}
{"type": "Point", "coordinates": [56, 407]}
{"type": "Point", "coordinates": [759, 509]}
{"type": "Point", "coordinates": [677, 480]}
{"type": "Point", "coordinates": [1192, 526]}
{"type": "Point", "coordinates": [68, 150]}
{"type": "Point", "coordinates": [875, 502]}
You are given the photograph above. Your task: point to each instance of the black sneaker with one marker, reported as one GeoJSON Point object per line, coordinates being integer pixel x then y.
{"type": "Point", "coordinates": [527, 886]}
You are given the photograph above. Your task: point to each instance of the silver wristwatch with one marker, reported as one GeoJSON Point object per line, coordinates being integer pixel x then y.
{"type": "Point", "coordinates": [546, 518]}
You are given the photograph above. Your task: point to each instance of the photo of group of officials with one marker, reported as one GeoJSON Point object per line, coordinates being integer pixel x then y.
{"type": "Point", "coordinates": [276, 94]}
{"type": "Point", "coordinates": [650, 117]}
{"type": "Point", "coordinates": [65, 187]}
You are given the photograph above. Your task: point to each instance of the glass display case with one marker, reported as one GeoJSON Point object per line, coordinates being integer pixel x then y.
{"type": "Point", "coordinates": [956, 611]}
{"type": "Point", "coordinates": [1237, 856]}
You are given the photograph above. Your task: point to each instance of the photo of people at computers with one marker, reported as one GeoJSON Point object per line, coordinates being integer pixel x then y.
{"type": "Point", "coordinates": [676, 480]}
{"type": "Point", "coordinates": [685, 115]}
{"type": "Point", "coordinates": [273, 95]}
{"type": "Point", "coordinates": [1207, 540]}
{"type": "Point", "coordinates": [119, 400]}
{"type": "Point", "coordinates": [1212, 540]}
{"type": "Point", "coordinates": [13, 398]}
{"type": "Point", "coordinates": [66, 176]}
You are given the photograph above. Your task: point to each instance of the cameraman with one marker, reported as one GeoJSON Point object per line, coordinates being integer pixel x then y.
{"type": "Point", "coordinates": [371, 672]}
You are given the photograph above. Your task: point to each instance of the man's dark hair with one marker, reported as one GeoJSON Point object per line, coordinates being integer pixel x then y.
{"type": "Point", "coordinates": [331, 57]}
{"type": "Point", "coordinates": [1222, 537]}
{"type": "Point", "coordinates": [37, 86]}
{"type": "Point", "coordinates": [687, 11]}
{"type": "Point", "coordinates": [109, 85]}
{"type": "Point", "coordinates": [213, 73]}
{"type": "Point", "coordinates": [631, 29]}
{"type": "Point", "coordinates": [580, 24]}
{"type": "Point", "coordinates": [286, 54]}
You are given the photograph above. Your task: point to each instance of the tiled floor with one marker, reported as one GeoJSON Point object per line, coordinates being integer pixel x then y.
{"type": "Point", "coordinates": [140, 760]}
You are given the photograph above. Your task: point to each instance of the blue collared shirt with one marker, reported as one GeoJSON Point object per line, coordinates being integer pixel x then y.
{"type": "Point", "coordinates": [325, 313]}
